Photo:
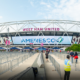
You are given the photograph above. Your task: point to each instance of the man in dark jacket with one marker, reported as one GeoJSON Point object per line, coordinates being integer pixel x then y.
{"type": "Point", "coordinates": [72, 55]}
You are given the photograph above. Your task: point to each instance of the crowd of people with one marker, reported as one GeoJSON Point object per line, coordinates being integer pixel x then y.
{"type": "Point", "coordinates": [73, 56]}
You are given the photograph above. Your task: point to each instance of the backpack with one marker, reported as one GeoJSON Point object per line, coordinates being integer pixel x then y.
{"type": "Point", "coordinates": [35, 71]}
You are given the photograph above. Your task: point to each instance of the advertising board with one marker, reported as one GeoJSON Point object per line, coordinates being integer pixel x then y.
{"type": "Point", "coordinates": [42, 39]}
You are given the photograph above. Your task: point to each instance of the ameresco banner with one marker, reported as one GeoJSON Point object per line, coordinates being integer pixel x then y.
{"type": "Point", "coordinates": [42, 39]}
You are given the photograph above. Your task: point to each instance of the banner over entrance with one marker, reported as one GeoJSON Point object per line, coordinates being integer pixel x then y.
{"type": "Point", "coordinates": [42, 39]}
{"type": "Point", "coordinates": [41, 29]}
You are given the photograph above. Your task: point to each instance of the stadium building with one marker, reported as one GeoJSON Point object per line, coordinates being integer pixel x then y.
{"type": "Point", "coordinates": [61, 33]}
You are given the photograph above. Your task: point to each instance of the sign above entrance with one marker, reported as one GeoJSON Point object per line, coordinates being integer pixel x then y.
{"type": "Point", "coordinates": [42, 40]}
{"type": "Point", "coordinates": [41, 29]}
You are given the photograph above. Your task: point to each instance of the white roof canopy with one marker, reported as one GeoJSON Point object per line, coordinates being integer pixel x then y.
{"type": "Point", "coordinates": [18, 26]}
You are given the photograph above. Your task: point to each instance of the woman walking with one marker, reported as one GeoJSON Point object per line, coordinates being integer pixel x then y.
{"type": "Point", "coordinates": [76, 56]}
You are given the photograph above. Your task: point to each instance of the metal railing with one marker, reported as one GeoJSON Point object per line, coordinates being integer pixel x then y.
{"type": "Point", "coordinates": [60, 55]}
{"type": "Point", "coordinates": [63, 55]}
{"type": "Point", "coordinates": [77, 65]}
{"type": "Point", "coordinates": [10, 56]}
{"type": "Point", "coordinates": [56, 64]}
{"type": "Point", "coordinates": [9, 65]}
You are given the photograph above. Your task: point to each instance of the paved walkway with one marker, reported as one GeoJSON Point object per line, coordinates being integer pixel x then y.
{"type": "Point", "coordinates": [74, 75]}
{"type": "Point", "coordinates": [20, 68]}
{"type": "Point", "coordinates": [51, 74]}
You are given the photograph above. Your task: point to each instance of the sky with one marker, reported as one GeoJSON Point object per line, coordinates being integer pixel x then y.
{"type": "Point", "coordinates": [18, 10]}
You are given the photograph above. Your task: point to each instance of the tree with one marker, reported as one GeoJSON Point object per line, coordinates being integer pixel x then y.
{"type": "Point", "coordinates": [74, 47]}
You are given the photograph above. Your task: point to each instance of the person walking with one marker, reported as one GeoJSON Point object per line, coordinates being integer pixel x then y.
{"type": "Point", "coordinates": [71, 55]}
{"type": "Point", "coordinates": [76, 56]}
{"type": "Point", "coordinates": [47, 55]}
{"type": "Point", "coordinates": [42, 51]}
{"type": "Point", "coordinates": [60, 51]}
{"type": "Point", "coordinates": [67, 68]}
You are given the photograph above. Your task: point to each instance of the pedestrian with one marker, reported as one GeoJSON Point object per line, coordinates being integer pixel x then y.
{"type": "Point", "coordinates": [60, 51]}
{"type": "Point", "coordinates": [71, 55]}
{"type": "Point", "coordinates": [46, 55]}
{"type": "Point", "coordinates": [42, 51]}
{"type": "Point", "coordinates": [76, 56]}
{"type": "Point", "coordinates": [67, 68]}
{"type": "Point", "coordinates": [48, 51]}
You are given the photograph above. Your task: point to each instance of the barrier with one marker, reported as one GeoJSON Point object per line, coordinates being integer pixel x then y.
{"type": "Point", "coordinates": [8, 57]}
{"type": "Point", "coordinates": [77, 65]}
{"type": "Point", "coordinates": [40, 61]}
{"type": "Point", "coordinates": [60, 55]}
{"type": "Point", "coordinates": [4, 67]}
{"type": "Point", "coordinates": [28, 73]}
{"type": "Point", "coordinates": [63, 55]}
{"type": "Point", "coordinates": [9, 65]}
{"type": "Point", "coordinates": [56, 64]}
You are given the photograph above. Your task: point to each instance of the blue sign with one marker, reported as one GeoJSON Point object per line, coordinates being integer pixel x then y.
{"type": "Point", "coordinates": [42, 39]}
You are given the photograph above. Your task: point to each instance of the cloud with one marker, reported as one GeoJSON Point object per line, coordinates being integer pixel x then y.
{"type": "Point", "coordinates": [62, 9]}
{"type": "Point", "coordinates": [1, 17]}
{"type": "Point", "coordinates": [45, 4]}
{"type": "Point", "coordinates": [31, 3]}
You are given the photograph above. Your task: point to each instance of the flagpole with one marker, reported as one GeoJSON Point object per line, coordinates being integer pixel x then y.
{"type": "Point", "coordinates": [7, 38]}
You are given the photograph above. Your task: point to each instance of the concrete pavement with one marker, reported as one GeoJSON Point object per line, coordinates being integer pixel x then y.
{"type": "Point", "coordinates": [20, 68]}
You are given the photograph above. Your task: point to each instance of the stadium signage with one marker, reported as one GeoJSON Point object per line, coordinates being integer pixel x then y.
{"type": "Point", "coordinates": [42, 39]}
{"type": "Point", "coordinates": [41, 29]}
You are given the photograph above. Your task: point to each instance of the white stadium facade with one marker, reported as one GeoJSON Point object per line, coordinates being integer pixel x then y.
{"type": "Point", "coordinates": [61, 33]}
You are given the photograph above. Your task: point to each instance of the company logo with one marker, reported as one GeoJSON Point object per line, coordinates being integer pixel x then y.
{"type": "Point", "coordinates": [60, 39]}
{"type": "Point", "coordinates": [43, 40]}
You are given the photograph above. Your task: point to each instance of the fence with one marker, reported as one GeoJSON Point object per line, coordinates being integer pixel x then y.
{"type": "Point", "coordinates": [9, 65]}
{"type": "Point", "coordinates": [56, 64]}
{"type": "Point", "coordinates": [60, 55]}
{"type": "Point", "coordinates": [63, 55]}
{"type": "Point", "coordinates": [77, 65]}
{"type": "Point", "coordinates": [10, 56]}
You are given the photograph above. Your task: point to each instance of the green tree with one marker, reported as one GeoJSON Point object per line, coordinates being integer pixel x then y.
{"type": "Point", "coordinates": [74, 47]}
